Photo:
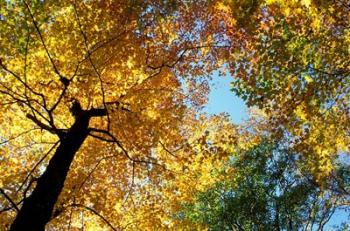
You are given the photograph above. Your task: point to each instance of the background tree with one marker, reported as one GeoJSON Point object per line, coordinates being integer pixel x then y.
{"type": "Point", "coordinates": [295, 66]}
{"type": "Point", "coordinates": [267, 190]}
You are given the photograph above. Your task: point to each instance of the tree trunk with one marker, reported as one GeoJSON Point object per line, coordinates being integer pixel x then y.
{"type": "Point", "coordinates": [38, 207]}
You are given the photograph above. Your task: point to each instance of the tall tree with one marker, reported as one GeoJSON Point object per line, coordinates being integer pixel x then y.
{"type": "Point", "coordinates": [89, 90]}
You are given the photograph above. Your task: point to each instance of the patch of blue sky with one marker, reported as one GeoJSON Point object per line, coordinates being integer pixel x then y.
{"type": "Point", "coordinates": [222, 100]}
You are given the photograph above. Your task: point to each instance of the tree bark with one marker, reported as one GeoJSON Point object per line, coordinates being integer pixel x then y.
{"type": "Point", "coordinates": [38, 207]}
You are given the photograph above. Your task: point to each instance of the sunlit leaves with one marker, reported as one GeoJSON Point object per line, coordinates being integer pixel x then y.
{"type": "Point", "coordinates": [296, 68]}
{"type": "Point", "coordinates": [147, 64]}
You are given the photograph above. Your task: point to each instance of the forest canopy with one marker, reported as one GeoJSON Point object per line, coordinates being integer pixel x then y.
{"type": "Point", "coordinates": [101, 126]}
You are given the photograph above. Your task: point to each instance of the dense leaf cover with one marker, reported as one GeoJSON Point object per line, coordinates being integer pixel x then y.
{"type": "Point", "coordinates": [100, 102]}
{"type": "Point", "coordinates": [267, 190]}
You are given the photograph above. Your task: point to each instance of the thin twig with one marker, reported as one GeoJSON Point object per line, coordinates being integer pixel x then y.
{"type": "Point", "coordinates": [17, 136]}
{"type": "Point", "coordinates": [94, 212]}
{"type": "Point", "coordinates": [2, 191]}
{"type": "Point", "coordinates": [42, 40]}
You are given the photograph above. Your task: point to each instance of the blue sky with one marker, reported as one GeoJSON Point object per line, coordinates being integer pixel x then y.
{"type": "Point", "coordinates": [221, 99]}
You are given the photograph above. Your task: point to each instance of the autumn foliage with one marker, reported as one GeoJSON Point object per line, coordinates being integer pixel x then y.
{"type": "Point", "coordinates": [100, 102]}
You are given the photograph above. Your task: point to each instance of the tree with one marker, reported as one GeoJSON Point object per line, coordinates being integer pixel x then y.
{"type": "Point", "coordinates": [267, 190]}
{"type": "Point", "coordinates": [90, 91]}
{"type": "Point", "coordinates": [295, 66]}
{"type": "Point", "coordinates": [100, 100]}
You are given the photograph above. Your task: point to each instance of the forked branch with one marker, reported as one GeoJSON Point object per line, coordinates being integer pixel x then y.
{"type": "Point", "coordinates": [2, 191]}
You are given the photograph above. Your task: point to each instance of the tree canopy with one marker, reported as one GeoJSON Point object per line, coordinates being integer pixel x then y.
{"type": "Point", "coordinates": [296, 67]}
{"type": "Point", "coordinates": [100, 106]}
{"type": "Point", "coordinates": [267, 190]}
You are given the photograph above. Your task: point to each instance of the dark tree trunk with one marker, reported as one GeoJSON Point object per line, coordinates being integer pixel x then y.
{"type": "Point", "coordinates": [38, 207]}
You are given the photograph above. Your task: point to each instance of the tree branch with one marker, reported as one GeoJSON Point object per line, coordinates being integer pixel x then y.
{"type": "Point", "coordinates": [17, 136]}
{"type": "Point", "coordinates": [42, 40]}
{"type": "Point", "coordinates": [26, 86]}
{"type": "Point", "coordinates": [92, 63]}
{"type": "Point", "coordinates": [9, 199]}
{"type": "Point", "coordinates": [97, 112]}
{"type": "Point", "coordinates": [167, 150]}
{"type": "Point", "coordinates": [113, 139]}
{"type": "Point", "coordinates": [52, 130]}
{"type": "Point", "coordinates": [94, 212]}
